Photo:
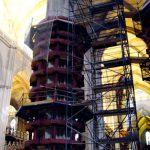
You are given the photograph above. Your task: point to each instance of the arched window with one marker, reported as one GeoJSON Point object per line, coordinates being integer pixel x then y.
{"type": "Point", "coordinates": [13, 124]}
{"type": "Point", "coordinates": [147, 136]}
{"type": "Point", "coordinates": [12, 111]}
{"type": "Point", "coordinates": [76, 137]}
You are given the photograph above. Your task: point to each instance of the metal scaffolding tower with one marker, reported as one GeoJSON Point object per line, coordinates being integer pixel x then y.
{"type": "Point", "coordinates": [112, 98]}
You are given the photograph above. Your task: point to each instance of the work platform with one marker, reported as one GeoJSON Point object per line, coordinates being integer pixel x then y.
{"type": "Point", "coordinates": [118, 62]}
{"type": "Point", "coordinates": [104, 43]}
{"type": "Point", "coordinates": [112, 87]}
{"type": "Point", "coordinates": [129, 138]}
{"type": "Point", "coordinates": [115, 112]}
{"type": "Point", "coordinates": [104, 7]}
{"type": "Point", "coordinates": [112, 63]}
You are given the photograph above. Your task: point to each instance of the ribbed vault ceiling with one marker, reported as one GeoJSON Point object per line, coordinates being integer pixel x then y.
{"type": "Point", "coordinates": [16, 16]}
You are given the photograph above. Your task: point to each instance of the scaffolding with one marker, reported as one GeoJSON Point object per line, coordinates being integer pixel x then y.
{"type": "Point", "coordinates": [108, 83]}
{"type": "Point", "coordinates": [112, 92]}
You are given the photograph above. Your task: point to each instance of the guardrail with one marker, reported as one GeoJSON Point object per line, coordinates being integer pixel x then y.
{"type": "Point", "coordinates": [21, 135]}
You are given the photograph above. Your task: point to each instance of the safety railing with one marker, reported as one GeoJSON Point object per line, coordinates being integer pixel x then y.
{"type": "Point", "coordinates": [16, 133]}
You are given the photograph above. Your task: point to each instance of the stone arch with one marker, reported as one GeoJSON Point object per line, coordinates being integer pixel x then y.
{"type": "Point", "coordinates": [133, 47]}
{"type": "Point", "coordinates": [143, 87]}
{"type": "Point", "coordinates": [11, 116]}
{"type": "Point", "coordinates": [20, 86]}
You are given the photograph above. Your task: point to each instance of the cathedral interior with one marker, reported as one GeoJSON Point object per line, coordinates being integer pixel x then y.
{"type": "Point", "coordinates": [75, 75]}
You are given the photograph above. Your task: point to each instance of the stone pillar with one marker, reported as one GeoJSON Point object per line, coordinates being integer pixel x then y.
{"type": "Point", "coordinates": [57, 8]}
{"type": "Point", "coordinates": [7, 54]}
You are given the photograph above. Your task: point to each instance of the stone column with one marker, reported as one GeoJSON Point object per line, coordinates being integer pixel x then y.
{"type": "Point", "coordinates": [57, 8]}
{"type": "Point", "coordinates": [7, 54]}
